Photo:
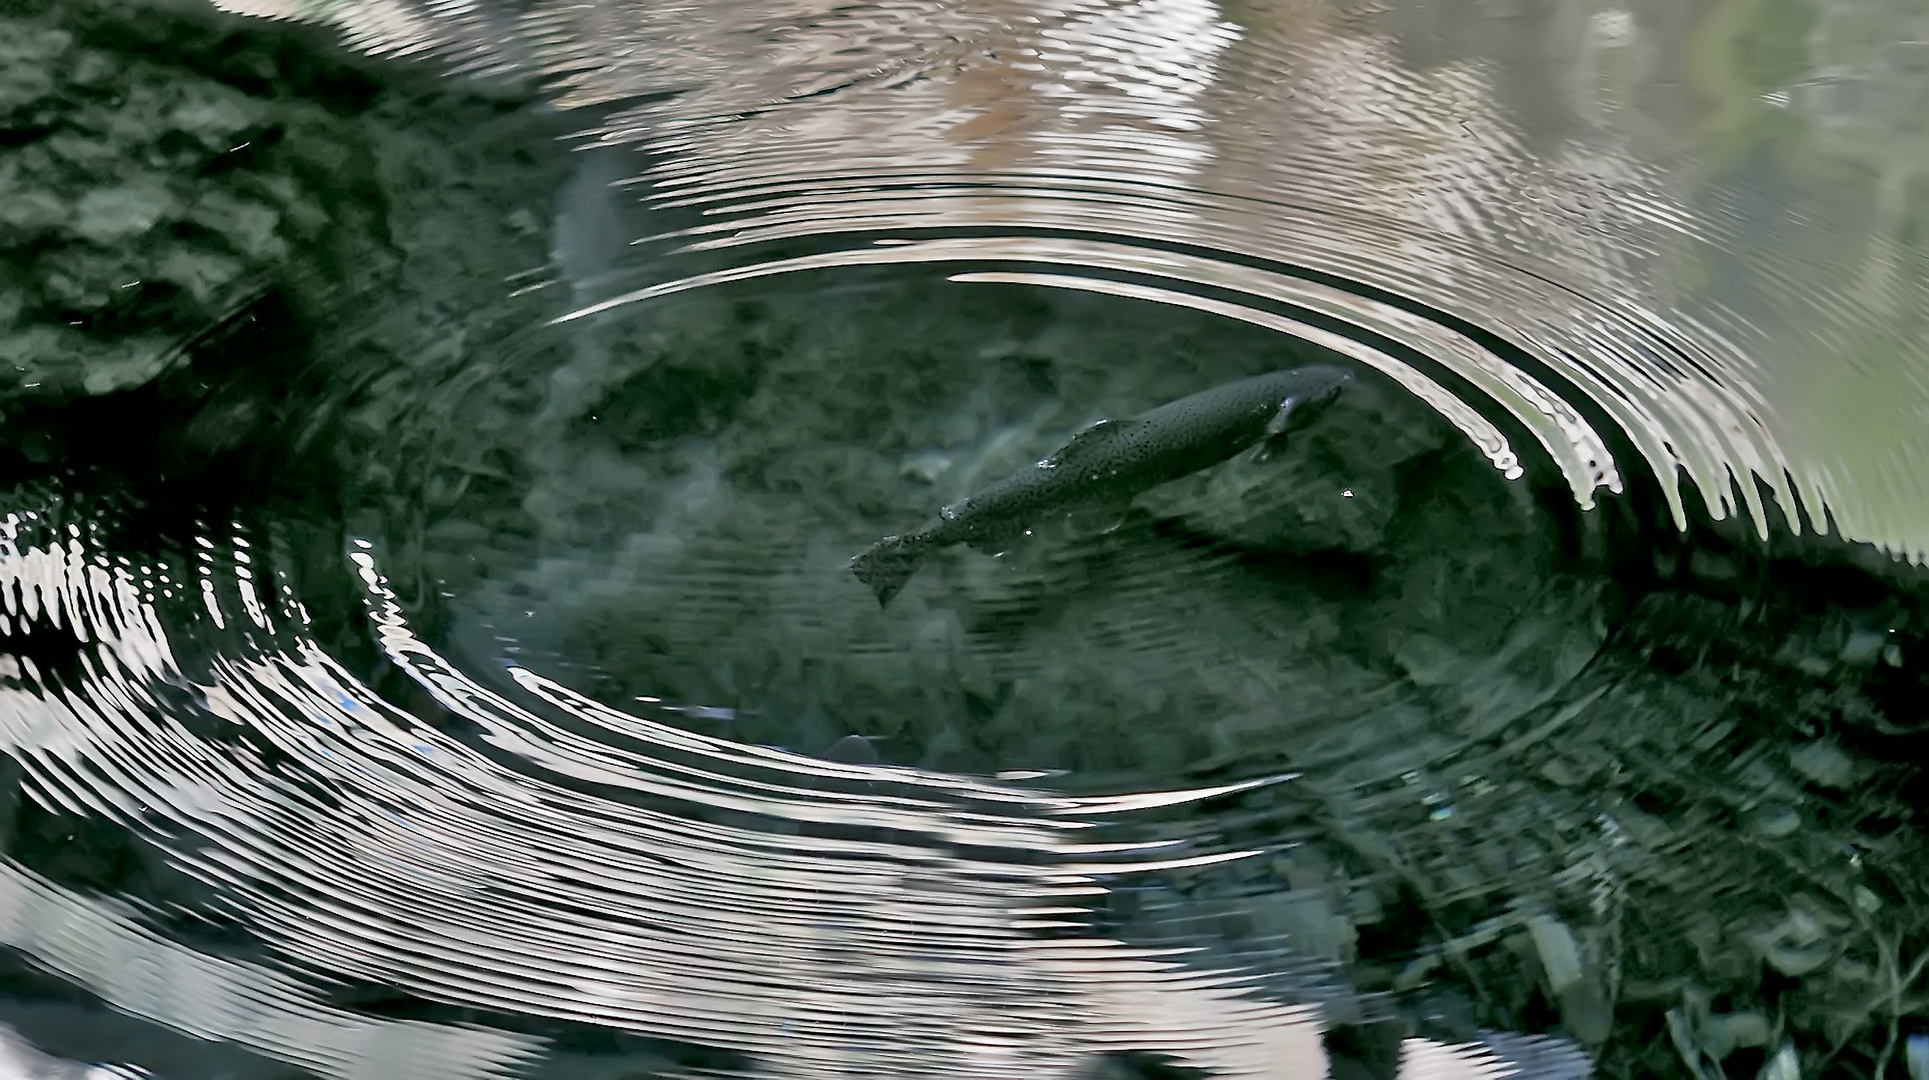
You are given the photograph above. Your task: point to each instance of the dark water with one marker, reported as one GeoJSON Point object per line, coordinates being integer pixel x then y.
{"type": "Point", "coordinates": [428, 649]}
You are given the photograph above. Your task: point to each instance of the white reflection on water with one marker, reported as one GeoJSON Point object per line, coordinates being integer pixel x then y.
{"type": "Point", "coordinates": [569, 861]}
{"type": "Point", "coordinates": [1709, 313]}
{"type": "Point", "coordinates": [1713, 280]}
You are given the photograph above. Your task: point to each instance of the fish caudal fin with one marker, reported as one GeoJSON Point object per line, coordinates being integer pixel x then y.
{"type": "Point", "coordinates": [885, 566]}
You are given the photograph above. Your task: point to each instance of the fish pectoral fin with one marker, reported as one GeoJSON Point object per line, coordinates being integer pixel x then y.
{"type": "Point", "coordinates": [1282, 420]}
{"type": "Point", "coordinates": [1269, 448]}
{"type": "Point", "coordinates": [1086, 443]}
{"type": "Point", "coordinates": [1099, 518]}
{"type": "Point", "coordinates": [997, 541]}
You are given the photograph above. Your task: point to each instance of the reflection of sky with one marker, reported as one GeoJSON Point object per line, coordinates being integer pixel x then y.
{"type": "Point", "coordinates": [1262, 151]}
{"type": "Point", "coordinates": [1157, 55]}
{"type": "Point", "coordinates": [1421, 179]}
{"type": "Point", "coordinates": [101, 945]}
{"type": "Point", "coordinates": [1574, 225]}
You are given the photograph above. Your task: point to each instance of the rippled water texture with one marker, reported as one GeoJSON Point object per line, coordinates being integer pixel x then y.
{"type": "Point", "coordinates": [536, 852]}
{"type": "Point", "coordinates": [1698, 227]}
{"type": "Point", "coordinates": [452, 668]}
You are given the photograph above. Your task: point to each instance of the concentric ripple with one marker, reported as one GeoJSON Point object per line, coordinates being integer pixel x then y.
{"type": "Point", "coordinates": [1710, 315]}
{"type": "Point", "coordinates": [427, 860]}
{"type": "Point", "coordinates": [820, 919]}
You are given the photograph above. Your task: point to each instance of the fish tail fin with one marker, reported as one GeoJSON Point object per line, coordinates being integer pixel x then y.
{"type": "Point", "coordinates": [885, 566]}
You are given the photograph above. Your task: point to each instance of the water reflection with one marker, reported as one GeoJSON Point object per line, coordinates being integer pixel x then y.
{"type": "Point", "coordinates": [1652, 255]}
{"type": "Point", "coordinates": [821, 918]}
{"type": "Point", "coordinates": [536, 735]}
{"type": "Point", "coordinates": [1270, 803]}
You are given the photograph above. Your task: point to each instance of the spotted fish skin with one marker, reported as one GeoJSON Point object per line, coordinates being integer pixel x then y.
{"type": "Point", "coordinates": [1109, 463]}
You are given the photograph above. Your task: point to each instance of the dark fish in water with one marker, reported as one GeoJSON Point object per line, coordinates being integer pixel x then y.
{"type": "Point", "coordinates": [1107, 464]}
{"type": "Point", "coordinates": [854, 750]}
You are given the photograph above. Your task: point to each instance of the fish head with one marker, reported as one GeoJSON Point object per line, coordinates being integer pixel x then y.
{"type": "Point", "coordinates": [1311, 391]}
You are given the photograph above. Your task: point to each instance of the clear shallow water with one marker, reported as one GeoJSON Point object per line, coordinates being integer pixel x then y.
{"type": "Point", "coordinates": [450, 668]}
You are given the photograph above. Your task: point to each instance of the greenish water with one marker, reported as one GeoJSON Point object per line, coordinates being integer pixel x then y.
{"type": "Point", "coordinates": [429, 647]}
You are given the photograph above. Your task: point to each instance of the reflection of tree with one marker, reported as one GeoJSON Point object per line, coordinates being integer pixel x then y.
{"type": "Point", "coordinates": [1439, 152]}
{"type": "Point", "coordinates": [1818, 132]}
{"type": "Point", "coordinates": [1869, 100]}
{"type": "Point", "coordinates": [1740, 55]}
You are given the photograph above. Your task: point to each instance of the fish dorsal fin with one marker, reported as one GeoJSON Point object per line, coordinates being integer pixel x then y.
{"type": "Point", "coordinates": [1091, 441]}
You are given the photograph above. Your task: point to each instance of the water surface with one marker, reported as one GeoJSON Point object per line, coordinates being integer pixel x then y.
{"type": "Point", "coordinates": [430, 650]}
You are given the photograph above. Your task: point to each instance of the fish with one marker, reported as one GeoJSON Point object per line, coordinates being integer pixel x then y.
{"type": "Point", "coordinates": [1105, 465]}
